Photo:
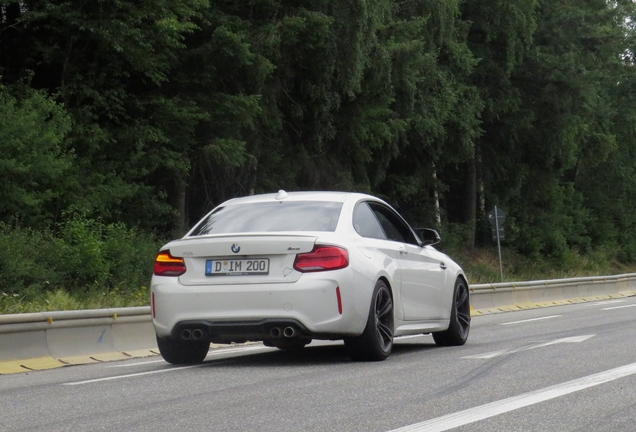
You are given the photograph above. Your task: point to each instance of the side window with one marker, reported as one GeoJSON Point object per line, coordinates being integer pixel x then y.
{"type": "Point", "coordinates": [365, 222]}
{"type": "Point", "coordinates": [391, 230]}
{"type": "Point", "coordinates": [394, 226]}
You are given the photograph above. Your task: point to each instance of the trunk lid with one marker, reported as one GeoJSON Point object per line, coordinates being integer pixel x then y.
{"type": "Point", "coordinates": [240, 259]}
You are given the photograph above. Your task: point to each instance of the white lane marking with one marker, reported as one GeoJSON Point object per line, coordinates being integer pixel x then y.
{"type": "Point", "coordinates": [619, 307]}
{"type": "Point", "coordinates": [493, 354]}
{"type": "Point", "coordinates": [217, 353]}
{"type": "Point", "coordinates": [482, 412]}
{"type": "Point", "coordinates": [136, 364]}
{"type": "Point", "coordinates": [530, 320]}
{"type": "Point", "coordinates": [131, 375]}
{"type": "Point", "coordinates": [600, 303]}
{"type": "Point", "coordinates": [213, 353]}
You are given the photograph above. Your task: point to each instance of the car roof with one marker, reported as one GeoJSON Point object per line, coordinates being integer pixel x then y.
{"type": "Point", "coordinates": [299, 196]}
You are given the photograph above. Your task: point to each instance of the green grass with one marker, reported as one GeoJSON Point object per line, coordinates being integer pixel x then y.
{"type": "Point", "coordinates": [60, 299]}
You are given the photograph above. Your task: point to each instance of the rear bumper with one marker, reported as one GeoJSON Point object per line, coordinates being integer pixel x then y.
{"type": "Point", "coordinates": [236, 313]}
{"type": "Point", "coordinates": [243, 331]}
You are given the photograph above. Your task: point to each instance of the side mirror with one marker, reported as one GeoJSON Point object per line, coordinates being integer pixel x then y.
{"type": "Point", "coordinates": [428, 236]}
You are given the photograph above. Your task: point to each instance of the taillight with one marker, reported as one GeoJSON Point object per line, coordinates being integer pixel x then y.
{"type": "Point", "coordinates": [167, 265]}
{"type": "Point", "coordinates": [322, 258]}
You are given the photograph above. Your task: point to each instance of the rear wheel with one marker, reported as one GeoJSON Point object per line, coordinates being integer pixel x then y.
{"type": "Point", "coordinates": [182, 352]}
{"type": "Point", "coordinates": [376, 342]}
{"type": "Point", "coordinates": [459, 327]}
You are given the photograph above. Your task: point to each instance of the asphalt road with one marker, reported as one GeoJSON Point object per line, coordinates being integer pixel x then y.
{"type": "Point", "coordinates": [566, 368]}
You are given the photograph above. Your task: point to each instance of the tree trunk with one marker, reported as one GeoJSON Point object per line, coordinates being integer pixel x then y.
{"type": "Point", "coordinates": [179, 225]}
{"type": "Point", "coordinates": [471, 201]}
{"type": "Point", "coordinates": [438, 213]}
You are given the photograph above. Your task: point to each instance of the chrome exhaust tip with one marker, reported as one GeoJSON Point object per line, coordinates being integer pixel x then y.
{"type": "Point", "coordinates": [290, 332]}
{"type": "Point", "coordinates": [197, 334]}
{"type": "Point", "coordinates": [275, 332]}
{"type": "Point", "coordinates": [186, 334]}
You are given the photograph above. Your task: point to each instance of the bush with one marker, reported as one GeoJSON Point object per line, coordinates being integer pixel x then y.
{"type": "Point", "coordinates": [86, 258]}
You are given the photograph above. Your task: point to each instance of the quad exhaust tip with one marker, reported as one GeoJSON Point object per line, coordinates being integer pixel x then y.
{"type": "Point", "coordinates": [287, 332]}
{"type": "Point", "coordinates": [187, 334]}
{"type": "Point", "coordinates": [290, 332]}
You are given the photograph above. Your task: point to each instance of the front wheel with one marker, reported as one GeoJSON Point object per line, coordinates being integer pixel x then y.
{"type": "Point", "coordinates": [457, 332]}
{"type": "Point", "coordinates": [182, 352]}
{"type": "Point", "coordinates": [376, 342]}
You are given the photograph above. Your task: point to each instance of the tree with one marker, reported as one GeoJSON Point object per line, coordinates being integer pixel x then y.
{"type": "Point", "coordinates": [34, 160]}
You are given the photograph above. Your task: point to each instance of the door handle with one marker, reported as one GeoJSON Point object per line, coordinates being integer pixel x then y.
{"type": "Point", "coordinates": [442, 265]}
{"type": "Point", "coordinates": [403, 251]}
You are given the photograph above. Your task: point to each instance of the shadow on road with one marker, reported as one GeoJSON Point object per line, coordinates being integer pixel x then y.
{"type": "Point", "coordinates": [312, 355]}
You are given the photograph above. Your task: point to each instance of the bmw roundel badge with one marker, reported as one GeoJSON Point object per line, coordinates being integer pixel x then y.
{"type": "Point", "coordinates": [236, 248]}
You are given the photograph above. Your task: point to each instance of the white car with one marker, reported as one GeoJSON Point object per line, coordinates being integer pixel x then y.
{"type": "Point", "coordinates": [287, 268]}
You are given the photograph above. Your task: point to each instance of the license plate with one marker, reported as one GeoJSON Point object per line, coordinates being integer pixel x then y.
{"type": "Point", "coordinates": [237, 267]}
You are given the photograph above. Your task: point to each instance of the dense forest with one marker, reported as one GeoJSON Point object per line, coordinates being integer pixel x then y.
{"type": "Point", "coordinates": [122, 122]}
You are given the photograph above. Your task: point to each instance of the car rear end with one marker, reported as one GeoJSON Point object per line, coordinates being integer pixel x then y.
{"type": "Point", "coordinates": [289, 280]}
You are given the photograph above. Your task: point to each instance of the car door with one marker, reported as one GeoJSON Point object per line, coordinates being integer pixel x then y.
{"type": "Point", "coordinates": [422, 272]}
{"type": "Point", "coordinates": [374, 245]}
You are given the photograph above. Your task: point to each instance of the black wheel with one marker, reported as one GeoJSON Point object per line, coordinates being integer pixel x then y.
{"type": "Point", "coordinates": [290, 344]}
{"type": "Point", "coordinates": [459, 327]}
{"type": "Point", "coordinates": [182, 352]}
{"type": "Point", "coordinates": [376, 342]}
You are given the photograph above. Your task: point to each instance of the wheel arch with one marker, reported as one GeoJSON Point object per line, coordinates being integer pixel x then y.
{"type": "Point", "coordinates": [386, 281]}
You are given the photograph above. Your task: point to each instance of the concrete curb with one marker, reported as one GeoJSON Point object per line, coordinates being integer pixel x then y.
{"type": "Point", "coordinates": [38, 341]}
{"type": "Point", "coordinates": [511, 296]}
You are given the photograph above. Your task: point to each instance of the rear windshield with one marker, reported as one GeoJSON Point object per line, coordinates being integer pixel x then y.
{"type": "Point", "coordinates": [271, 217]}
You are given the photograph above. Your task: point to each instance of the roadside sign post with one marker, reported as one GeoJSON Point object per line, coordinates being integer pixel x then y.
{"type": "Point", "coordinates": [497, 217]}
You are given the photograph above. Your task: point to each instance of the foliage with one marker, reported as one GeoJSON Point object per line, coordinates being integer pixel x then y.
{"type": "Point", "coordinates": [33, 159]}
{"type": "Point", "coordinates": [122, 122]}
{"type": "Point", "coordinates": [85, 255]}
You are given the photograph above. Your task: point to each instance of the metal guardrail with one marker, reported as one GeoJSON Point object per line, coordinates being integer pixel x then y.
{"type": "Point", "coordinates": [77, 318]}
{"type": "Point", "coordinates": [539, 284]}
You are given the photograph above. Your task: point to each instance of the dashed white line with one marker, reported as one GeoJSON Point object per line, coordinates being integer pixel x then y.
{"type": "Point", "coordinates": [619, 307]}
{"type": "Point", "coordinates": [482, 412]}
{"type": "Point", "coordinates": [600, 303]}
{"type": "Point", "coordinates": [530, 320]}
{"type": "Point", "coordinates": [493, 354]}
{"type": "Point", "coordinates": [214, 353]}
{"type": "Point", "coordinates": [135, 364]}
{"type": "Point", "coordinates": [130, 375]}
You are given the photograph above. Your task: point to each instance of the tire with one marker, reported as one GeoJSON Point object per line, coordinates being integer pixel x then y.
{"type": "Point", "coordinates": [376, 342]}
{"type": "Point", "coordinates": [182, 352]}
{"type": "Point", "coordinates": [459, 327]}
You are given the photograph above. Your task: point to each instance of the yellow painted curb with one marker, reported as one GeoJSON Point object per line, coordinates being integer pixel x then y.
{"type": "Point", "coordinates": [77, 360]}
{"type": "Point", "coordinates": [11, 367]}
{"type": "Point", "coordinates": [140, 353]}
{"type": "Point", "coordinates": [110, 356]}
{"type": "Point", "coordinates": [522, 306]}
{"type": "Point", "coordinates": [26, 365]}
